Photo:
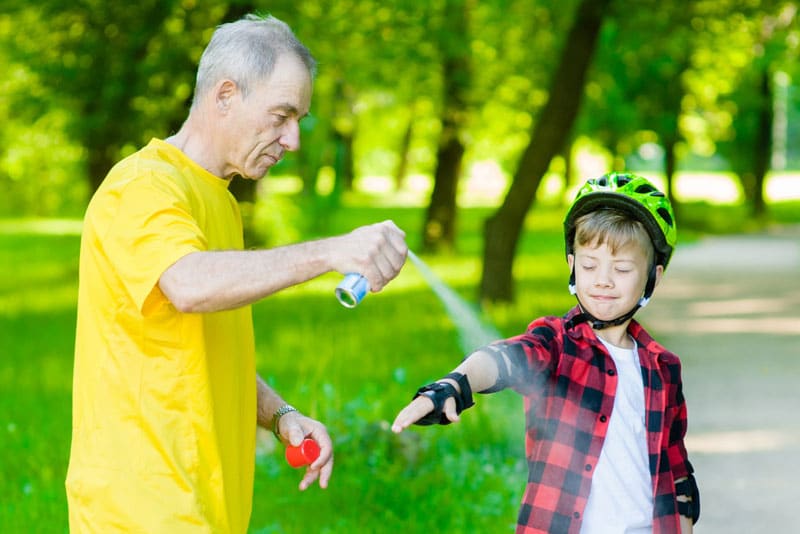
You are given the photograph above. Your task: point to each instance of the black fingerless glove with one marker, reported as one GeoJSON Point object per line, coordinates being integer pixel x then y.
{"type": "Point", "coordinates": [439, 392]}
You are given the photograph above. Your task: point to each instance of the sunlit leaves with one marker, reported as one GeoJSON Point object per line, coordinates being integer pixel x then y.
{"type": "Point", "coordinates": [111, 74]}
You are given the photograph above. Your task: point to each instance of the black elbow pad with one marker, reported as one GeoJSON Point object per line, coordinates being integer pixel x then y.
{"type": "Point", "coordinates": [690, 509]}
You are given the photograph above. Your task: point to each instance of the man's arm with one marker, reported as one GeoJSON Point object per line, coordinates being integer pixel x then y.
{"type": "Point", "coordinates": [268, 403]}
{"type": "Point", "coordinates": [220, 280]}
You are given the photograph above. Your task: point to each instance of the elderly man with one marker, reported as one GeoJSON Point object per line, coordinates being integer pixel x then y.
{"type": "Point", "coordinates": [166, 397]}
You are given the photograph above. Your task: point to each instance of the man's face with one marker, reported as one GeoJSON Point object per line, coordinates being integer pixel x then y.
{"type": "Point", "coordinates": [262, 126]}
{"type": "Point", "coordinates": [610, 285]}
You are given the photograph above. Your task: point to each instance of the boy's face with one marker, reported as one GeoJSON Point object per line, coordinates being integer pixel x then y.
{"type": "Point", "coordinates": [610, 285]}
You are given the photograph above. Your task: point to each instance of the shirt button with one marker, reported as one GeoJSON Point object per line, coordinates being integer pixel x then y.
{"type": "Point", "coordinates": [576, 515]}
{"type": "Point", "coordinates": [588, 467]}
{"type": "Point", "coordinates": [611, 372]}
{"type": "Point", "coordinates": [603, 418]}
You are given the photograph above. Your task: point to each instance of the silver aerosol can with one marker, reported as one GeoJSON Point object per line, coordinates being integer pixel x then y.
{"type": "Point", "coordinates": [352, 290]}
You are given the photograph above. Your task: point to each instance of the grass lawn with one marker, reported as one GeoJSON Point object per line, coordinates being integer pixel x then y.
{"type": "Point", "coordinates": [351, 368]}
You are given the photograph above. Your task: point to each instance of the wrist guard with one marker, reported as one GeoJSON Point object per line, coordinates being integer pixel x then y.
{"type": "Point", "coordinates": [439, 392]}
{"type": "Point", "coordinates": [690, 509]}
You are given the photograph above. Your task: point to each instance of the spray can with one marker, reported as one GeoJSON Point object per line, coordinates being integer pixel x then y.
{"type": "Point", "coordinates": [352, 289]}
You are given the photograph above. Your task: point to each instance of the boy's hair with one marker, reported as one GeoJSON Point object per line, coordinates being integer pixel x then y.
{"type": "Point", "coordinates": [614, 228]}
{"type": "Point", "coordinates": [245, 51]}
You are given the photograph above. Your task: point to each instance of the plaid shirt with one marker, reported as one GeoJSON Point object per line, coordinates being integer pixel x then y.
{"type": "Point", "coordinates": [568, 381]}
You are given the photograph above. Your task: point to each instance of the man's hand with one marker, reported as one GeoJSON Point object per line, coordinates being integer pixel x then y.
{"type": "Point", "coordinates": [377, 252]}
{"type": "Point", "coordinates": [293, 428]}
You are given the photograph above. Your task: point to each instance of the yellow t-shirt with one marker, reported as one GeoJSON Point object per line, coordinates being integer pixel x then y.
{"type": "Point", "coordinates": [164, 403]}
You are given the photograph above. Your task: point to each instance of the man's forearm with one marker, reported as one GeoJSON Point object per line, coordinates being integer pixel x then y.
{"type": "Point", "coordinates": [268, 402]}
{"type": "Point", "coordinates": [221, 280]}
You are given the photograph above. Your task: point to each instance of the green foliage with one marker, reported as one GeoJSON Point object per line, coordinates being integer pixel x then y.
{"type": "Point", "coordinates": [39, 163]}
{"type": "Point", "coordinates": [87, 82]}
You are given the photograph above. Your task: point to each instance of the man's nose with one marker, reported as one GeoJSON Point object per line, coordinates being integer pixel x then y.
{"type": "Point", "coordinates": [290, 137]}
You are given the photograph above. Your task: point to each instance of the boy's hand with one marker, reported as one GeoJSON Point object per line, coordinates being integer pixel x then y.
{"type": "Point", "coordinates": [419, 408]}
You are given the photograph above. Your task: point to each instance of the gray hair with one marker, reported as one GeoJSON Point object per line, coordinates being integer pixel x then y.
{"type": "Point", "coordinates": [246, 51]}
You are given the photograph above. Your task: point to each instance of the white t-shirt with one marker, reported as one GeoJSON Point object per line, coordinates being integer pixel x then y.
{"type": "Point", "coordinates": [621, 497]}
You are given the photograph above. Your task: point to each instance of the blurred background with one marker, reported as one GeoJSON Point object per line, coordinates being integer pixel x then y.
{"type": "Point", "coordinates": [470, 123]}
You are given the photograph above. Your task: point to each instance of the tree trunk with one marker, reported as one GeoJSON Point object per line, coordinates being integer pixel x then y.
{"type": "Point", "coordinates": [242, 189]}
{"type": "Point", "coordinates": [549, 134]}
{"type": "Point", "coordinates": [405, 147]}
{"type": "Point", "coordinates": [99, 163]}
{"type": "Point", "coordinates": [343, 161]}
{"type": "Point", "coordinates": [113, 91]}
{"type": "Point", "coordinates": [670, 164]}
{"type": "Point", "coordinates": [669, 129]}
{"type": "Point", "coordinates": [763, 145]}
{"type": "Point", "coordinates": [566, 153]}
{"type": "Point", "coordinates": [439, 228]}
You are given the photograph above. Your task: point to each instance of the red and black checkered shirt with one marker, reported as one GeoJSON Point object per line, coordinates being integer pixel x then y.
{"type": "Point", "coordinates": [568, 381]}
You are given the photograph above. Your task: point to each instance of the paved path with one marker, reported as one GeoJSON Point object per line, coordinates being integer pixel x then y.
{"type": "Point", "coordinates": [730, 308]}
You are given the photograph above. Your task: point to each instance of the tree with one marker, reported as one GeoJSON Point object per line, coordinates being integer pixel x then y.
{"type": "Point", "coordinates": [439, 227]}
{"type": "Point", "coordinates": [751, 148]}
{"type": "Point", "coordinates": [637, 80]}
{"type": "Point", "coordinates": [548, 135]}
{"type": "Point", "coordinates": [125, 69]}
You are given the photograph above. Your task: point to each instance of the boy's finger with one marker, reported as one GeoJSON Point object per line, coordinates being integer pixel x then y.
{"type": "Point", "coordinates": [450, 410]}
{"type": "Point", "coordinates": [415, 411]}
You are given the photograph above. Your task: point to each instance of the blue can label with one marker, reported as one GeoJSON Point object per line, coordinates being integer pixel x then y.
{"type": "Point", "coordinates": [352, 290]}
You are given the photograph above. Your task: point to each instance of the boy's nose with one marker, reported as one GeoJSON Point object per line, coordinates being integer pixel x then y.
{"type": "Point", "coordinates": [603, 279]}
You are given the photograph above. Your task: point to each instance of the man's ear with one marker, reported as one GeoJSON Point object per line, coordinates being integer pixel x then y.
{"type": "Point", "coordinates": [224, 93]}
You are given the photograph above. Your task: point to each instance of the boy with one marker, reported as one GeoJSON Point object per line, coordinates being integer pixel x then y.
{"type": "Point", "coordinates": [605, 413]}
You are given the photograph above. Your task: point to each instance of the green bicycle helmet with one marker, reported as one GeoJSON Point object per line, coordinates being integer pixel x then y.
{"type": "Point", "coordinates": [640, 199]}
{"type": "Point", "coordinates": [633, 195]}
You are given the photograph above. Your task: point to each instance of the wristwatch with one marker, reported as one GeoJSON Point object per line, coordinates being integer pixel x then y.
{"type": "Point", "coordinates": [280, 412]}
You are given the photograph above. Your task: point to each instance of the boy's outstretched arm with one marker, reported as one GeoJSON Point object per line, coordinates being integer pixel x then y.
{"type": "Point", "coordinates": [686, 525]}
{"type": "Point", "coordinates": [480, 369]}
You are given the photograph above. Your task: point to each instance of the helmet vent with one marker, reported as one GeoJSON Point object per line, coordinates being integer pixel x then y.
{"type": "Point", "coordinates": [646, 188]}
{"type": "Point", "coordinates": [665, 215]}
{"type": "Point", "coordinates": [623, 179]}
